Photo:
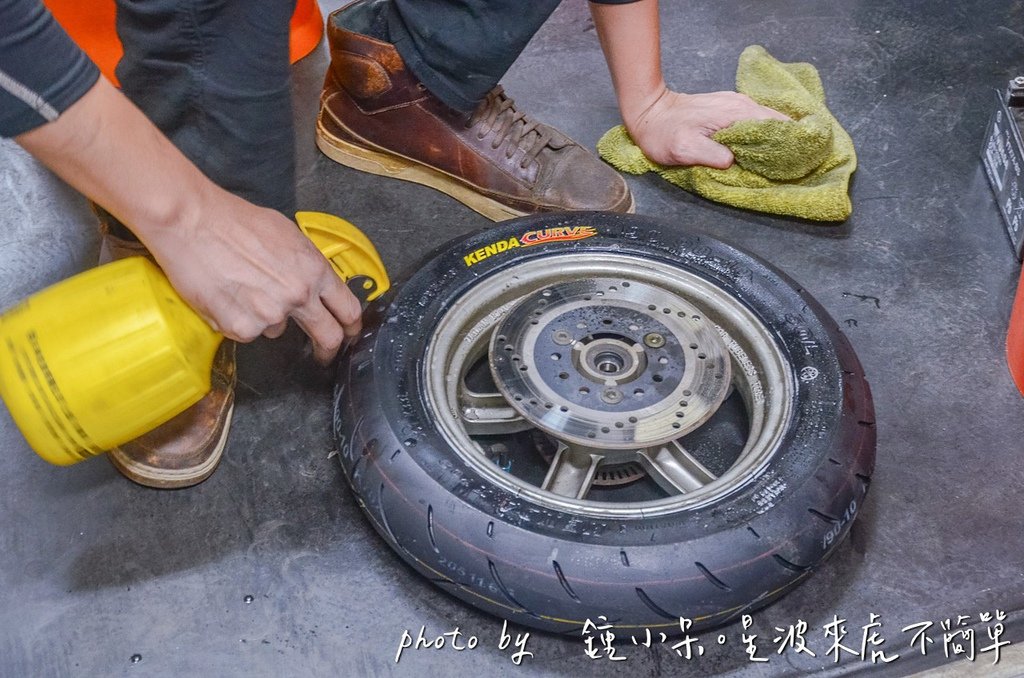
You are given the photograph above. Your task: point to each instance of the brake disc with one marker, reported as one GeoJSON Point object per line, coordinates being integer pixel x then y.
{"type": "Point", "coordinates": [605, 363]}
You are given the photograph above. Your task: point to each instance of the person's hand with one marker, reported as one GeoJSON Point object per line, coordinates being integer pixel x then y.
{"type": "Point", "coordinates": [247, 269]}
{"type": "Point", "coordinates": [676, 128]}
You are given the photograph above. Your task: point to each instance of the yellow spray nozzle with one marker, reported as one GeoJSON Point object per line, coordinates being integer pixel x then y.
{"type": "Point", "coordinates": [350, 252]}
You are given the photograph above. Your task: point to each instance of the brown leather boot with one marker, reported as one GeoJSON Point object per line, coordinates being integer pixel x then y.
{"type": "Point", "coordinates": [375, 116]}
{"type": "Point", "coordinates": [185, 450]}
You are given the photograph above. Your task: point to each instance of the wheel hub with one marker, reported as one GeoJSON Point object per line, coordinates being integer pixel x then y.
{"type": "Point", "coordinates": [609, 364]}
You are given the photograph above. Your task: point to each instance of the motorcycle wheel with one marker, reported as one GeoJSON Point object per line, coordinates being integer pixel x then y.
{"type": "Point", "coordinates": [591, 415]}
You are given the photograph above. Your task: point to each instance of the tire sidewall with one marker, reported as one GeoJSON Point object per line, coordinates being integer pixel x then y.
{"type": "Point", "coordinates": [391, 383]}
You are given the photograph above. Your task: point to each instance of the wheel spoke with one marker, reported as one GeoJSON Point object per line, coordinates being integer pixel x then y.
{"type": "Point", "coordinates": [572, 472]}
{"type": "Point", "coordinates": [674, 469]}
{"type": "Point", "coordinates": [489, 414]}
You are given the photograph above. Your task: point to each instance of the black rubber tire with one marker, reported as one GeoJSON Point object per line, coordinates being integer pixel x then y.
{"type": "Point", "coordinates": [552, 570]}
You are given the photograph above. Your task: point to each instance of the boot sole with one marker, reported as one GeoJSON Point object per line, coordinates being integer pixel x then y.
{"type": "Point", "coordinates": [149, 476]}
{"type": "Point", "coordinates": [389, 165]}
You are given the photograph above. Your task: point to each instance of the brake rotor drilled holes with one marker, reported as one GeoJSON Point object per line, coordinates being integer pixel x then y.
{"type": "Point", "coordinates": [616, 359]}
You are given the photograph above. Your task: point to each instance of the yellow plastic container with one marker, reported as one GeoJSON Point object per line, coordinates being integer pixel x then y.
{"type": "Point", "coordinates": [105, 356]}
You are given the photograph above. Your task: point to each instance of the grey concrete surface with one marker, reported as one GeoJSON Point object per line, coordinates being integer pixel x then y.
{"type": "Point", "coordinates": [269, 569]}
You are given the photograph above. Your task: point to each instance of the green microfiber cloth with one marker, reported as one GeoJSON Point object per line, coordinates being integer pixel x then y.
{"type": "Point", "coordinates": [799, 167]}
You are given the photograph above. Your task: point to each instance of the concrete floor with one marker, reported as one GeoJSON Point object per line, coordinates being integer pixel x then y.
{"type": "Point", "coordinates": [269, 569]}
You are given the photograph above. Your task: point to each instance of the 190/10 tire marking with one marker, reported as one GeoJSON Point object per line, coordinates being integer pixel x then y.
{"type": "Point", "coordinates": [837, 529]}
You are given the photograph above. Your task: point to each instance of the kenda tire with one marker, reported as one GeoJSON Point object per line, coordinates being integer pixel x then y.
{"type": "Point", "coordinates": [521, 558]}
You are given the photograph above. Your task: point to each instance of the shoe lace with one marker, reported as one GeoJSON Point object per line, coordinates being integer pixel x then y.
{"type": "Point", "coordinates": [497, 114]}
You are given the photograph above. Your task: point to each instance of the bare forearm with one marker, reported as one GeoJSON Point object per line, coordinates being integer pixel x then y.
{"type": "Point", "coordinates": [630, 39]}
{"type": "Point", "coordinates": [108, 150]}
{"type": "Point", "coordinates": [671, 128]}
{"type": "Point", "coordinates": [245, 268]}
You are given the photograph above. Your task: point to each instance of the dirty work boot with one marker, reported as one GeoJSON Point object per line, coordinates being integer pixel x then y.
{"type": "Point", "coordinates": [375, 116]}
{"type": "Point", "coordinates": [185, 450]}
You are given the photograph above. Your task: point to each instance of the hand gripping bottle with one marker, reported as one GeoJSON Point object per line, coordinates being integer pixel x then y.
{"type": "Point", "coordinates": [107, 355]}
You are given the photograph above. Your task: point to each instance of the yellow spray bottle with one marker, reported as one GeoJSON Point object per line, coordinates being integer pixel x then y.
{"type": "Point", "coordinates": [107, 355]}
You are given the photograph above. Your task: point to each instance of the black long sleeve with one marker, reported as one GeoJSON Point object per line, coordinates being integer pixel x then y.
{"type": "Point", "coordinates": [42, 71]}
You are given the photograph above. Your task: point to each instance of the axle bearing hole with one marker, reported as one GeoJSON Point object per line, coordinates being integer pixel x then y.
{"type": "Point", "coordinates": [608, 362]}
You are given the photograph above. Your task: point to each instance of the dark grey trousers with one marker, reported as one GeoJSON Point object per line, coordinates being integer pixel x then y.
{"type": "Point", "coordinates": [460, 49]}
{"type": "Point", "coordinates": [214, 76]}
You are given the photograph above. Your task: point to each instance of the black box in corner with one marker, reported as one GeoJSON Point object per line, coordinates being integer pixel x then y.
{"type": "Point", "coordinates": [1003, 157]}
